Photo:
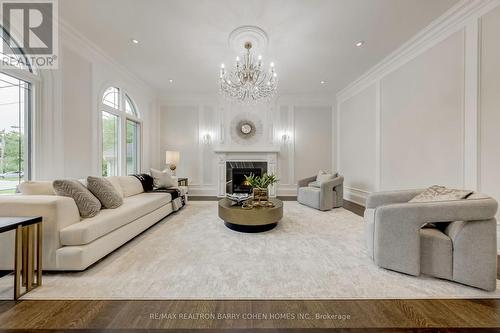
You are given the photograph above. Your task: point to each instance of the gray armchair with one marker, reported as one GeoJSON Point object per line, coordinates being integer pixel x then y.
{"type": "Point", "coordinates": [460, 245]}
{"type": "Point", "coordinates": [321, 195]}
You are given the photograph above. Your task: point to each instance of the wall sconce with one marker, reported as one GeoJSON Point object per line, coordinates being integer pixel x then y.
{"type": "Point", "coordinates": [285, 137]}
{"type": "Point", "coordinates": [206, 138]}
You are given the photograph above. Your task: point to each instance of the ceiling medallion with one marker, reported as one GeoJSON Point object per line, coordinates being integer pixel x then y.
{"type": "Point", "coordinates": [247, 81]}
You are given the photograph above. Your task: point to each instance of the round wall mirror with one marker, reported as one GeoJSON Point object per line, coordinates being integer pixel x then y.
{"type": "Point", "coordinates": [246, 129]}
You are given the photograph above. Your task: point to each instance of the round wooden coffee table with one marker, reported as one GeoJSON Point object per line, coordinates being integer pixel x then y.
{"type": "Point", "coordinates": [257, 219]}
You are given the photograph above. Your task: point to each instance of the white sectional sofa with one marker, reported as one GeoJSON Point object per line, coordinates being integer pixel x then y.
{"type": "Point", "coordinates": [71, 243]}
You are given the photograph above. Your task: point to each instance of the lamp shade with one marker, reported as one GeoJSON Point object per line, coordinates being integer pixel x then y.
{"type": "Point", "coordinates": [172, 157]}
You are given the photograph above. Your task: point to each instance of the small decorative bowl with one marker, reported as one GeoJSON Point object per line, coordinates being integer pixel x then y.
{"type": "Point", "coordinates": [247, 206]}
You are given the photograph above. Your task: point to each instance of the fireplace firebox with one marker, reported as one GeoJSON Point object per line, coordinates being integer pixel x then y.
{"type": "Point", "coordinates": [236, 172]}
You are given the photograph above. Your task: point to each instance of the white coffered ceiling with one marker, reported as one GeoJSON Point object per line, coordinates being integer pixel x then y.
{"type": "Point", "coordinates": [309, 40]}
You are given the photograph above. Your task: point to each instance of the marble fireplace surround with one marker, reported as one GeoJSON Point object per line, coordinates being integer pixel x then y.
{"type": "Point", "coordinates": [226, 154]}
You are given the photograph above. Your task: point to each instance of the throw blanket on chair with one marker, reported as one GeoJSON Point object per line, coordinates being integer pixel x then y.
{"type": "Point", "coordinates": [178, 200]}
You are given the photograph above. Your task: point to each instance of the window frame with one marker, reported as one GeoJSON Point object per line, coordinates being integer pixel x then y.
{"type": "Point", "coordinates": [138, 144]}
{"type": "Point", "coordinates": [123, 117]}
{"type": "Point", "coordinates": [32, 105]}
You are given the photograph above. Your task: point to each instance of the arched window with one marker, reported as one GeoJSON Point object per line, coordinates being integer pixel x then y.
{"type": "Point", "coordinates": [130, 106]}
{"type": "Point", "coordinates": [9, 57]}
{"type": "Point", "coordinates": [17, 81]}
{"type": "Point", "coordinates": [121, 134]}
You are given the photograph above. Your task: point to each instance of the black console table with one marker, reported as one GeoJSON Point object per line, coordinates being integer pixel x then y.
{"type": "Point", "coordinates": [27, 248]}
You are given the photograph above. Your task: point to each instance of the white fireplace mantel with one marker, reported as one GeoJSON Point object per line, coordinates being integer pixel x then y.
{"type": "Point", "coordinates": [247, 149]}
{"type": "Point", "coordinates": [226, 154]}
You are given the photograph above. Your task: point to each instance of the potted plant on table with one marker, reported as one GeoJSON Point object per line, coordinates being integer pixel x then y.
{"type": "Point", "coordinates": [260, 185]}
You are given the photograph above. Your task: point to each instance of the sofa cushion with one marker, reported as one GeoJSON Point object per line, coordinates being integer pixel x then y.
{"type": "Point", "coordinates": [130, 185]}
{"type": "Point", "coordinates": [314, 184]}
{"type": "Point", "coordinates": [88, 205]}
{"type": "Point", "coordinates": [36, 188]}
{"type": "Point", "coordinates": [309, 196]}
{"type": "Point", "coordinates": [105, 192]}
{"type": "Point", "coordinates": [116, 184]}
{"type": "Point", "coordinates": [436, 253]}
{"type": "Point", "coordinates": [108, 220]}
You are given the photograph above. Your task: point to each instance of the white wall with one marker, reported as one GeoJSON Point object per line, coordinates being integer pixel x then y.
{"type": "Point", "coordinates": [77, 114]}
{"type": "Point", "coordinates": [435, 110]}
{"type": "Point", "coordinates": [308, 124]}
{"type": "Point", "coordinates": [71, 115]}
{"type": "Point", "coordinates": [422, 119]}
{"type": "Point", "coordinates": [357, 143]}
{"type": "Point", "coordinates": [489, 175]}
{"type": "Point", "coordinates": [313, 140]}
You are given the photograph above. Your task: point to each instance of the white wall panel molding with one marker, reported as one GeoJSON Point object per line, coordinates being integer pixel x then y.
{"type": "Point", "coordinates": [291, 147]}
{"type": "Point", "coordinates": [202, 190]}
{"type": "Point", "coordinates": [466, 17]}
{"type": "Point", "coordinates": [471, 104]}
{"type": "Point", "coordinates": [287, 190]}
{"type": "Point", "coordinates": [452, 21]}
{"type": "Point", "coordinates": [378, 110]}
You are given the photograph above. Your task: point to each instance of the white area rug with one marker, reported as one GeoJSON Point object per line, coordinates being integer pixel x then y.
{"type": "Point", "coordinates": [192, 255]}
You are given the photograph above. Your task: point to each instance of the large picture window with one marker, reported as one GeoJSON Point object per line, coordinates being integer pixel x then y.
{"type": "Point", "coordinates": [121, 134]}
{"type": "Point", "coordinates": [110, 146]}
{"type": "Point", "coordinates": [16, 108]}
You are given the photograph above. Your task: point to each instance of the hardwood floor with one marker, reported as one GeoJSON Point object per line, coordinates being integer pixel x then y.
{"type": "Point", "coordinates": [274, 316]}
{"type": "Point", "coordinates": [478, 315]}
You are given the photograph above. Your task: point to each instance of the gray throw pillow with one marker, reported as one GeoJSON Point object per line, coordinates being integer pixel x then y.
{"type": "Point", "coordinates": [88, 205]}
{"type": "Point", "coordinates": [105, 192]}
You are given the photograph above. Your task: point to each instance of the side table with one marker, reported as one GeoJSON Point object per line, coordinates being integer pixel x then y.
{"type": "Point", "coordinates": [182, 181]}
{"type": "Point", "coordinates": [27, 248]}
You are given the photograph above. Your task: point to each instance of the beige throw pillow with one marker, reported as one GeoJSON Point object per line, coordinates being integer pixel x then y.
{"type": "Point", "coordinates": [88, 205]}
{"type": "Point", "coordinates": [105, 192]}
{"type": "Point", "coordinates": [441, 193]}
{"type": "Point", "coordinates": [324, 176]}
{"type": "Point", "coordinates": [36, 188]}
{"type": "Point", "coordinates": [163, 179]}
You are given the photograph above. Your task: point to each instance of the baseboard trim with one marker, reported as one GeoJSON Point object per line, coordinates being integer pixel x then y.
{"type": "Point", "coordinates": [355, 195]}
{"type": "Point", "coordinates": [354, 207]}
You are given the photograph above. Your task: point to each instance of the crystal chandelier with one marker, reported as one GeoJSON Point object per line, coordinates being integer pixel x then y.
{"type": "Point", "coordinates": [248, 82]}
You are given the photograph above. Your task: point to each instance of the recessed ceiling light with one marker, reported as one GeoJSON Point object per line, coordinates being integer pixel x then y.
{"type": "Point", "coordinates": [134, 41]}
{"type": "Point", "coordinates": [171, 81]}
{"type": "Point", "coordinates": [360, 43]}
{"type": "Point", "coordinates": [322, 82]}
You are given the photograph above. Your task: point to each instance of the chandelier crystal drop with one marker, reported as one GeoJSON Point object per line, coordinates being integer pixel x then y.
{"type": "Point", "coordinates": [247, 82]}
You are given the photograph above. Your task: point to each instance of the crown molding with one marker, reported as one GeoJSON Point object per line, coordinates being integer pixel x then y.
{"type": "Point", "coordinates": [453, 20]}
{"type": "Point", "coordinates": [76, 40]}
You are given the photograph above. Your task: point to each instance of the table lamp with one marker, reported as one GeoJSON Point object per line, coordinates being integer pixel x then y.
{"type": "Point", "coordinates": [172, 159]}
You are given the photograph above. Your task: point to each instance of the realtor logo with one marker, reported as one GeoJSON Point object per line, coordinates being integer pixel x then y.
{"type": "Point", "coordinates": [31, 30]}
